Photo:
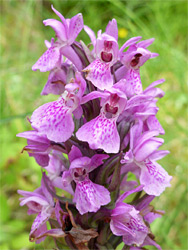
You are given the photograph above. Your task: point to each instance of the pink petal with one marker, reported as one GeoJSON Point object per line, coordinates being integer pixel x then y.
{"type": "Point", "coordinates": [150, 217]}
{"type": "Point", "coordinates": [55, 233]}
{"type": "Point", "coordinates": [93, 95]}
{"type": "Point", "coordinates": [58, 28]}
{"type": "Point", "coordinates": [145, 43]}
{"type": "Point", "coordinates": [34, 137]}
{"type": "Point", "coordinates": [99, 74]}
{"type": "Point", "coordinates": [137, 239]}
{"type": "Point", "coordinates": [59, 183]}
{"type": "Point", "coordinates": [112, 29]}
{"type": "Point", "coordinates": [149, 241]}
{"type": "Point", "coordinates": [56, 83]}
{"type": "Point", "coordinates": [157, 155]}
{"type": "Point", "coordinates": [100, 133]}
{"type": "Point", "coordinates": [126, 194]}
{"type": "Point", "coordinates": [118, 228]}
{"type": "Point", "coordinates": [134, 132]}
{"type": "Point", "coordinates": [66, 178]}
{"type": "Point", "coordinates": [48, 60]}
{"type": "Point", "coordinates": [39, 232]}
{"type": "Point", "coordinates": [38, 222]}
{"type": "Point", "coordinates": [57, 212]}
{"type": "Point", "coordinates": [63, 20]}
{"type": "Point", "coordinates": [134, 85]}
{"type": "Point", "coordinates": [153, 84]}
{"type": "Point", "coordinates": [54, 120]}
{"type": "Point", "coordinates": [89, 197]}
{"type": "Point", "coordinates": [75, 26]}
{"type": "Point", "coordinates": [55, 165]}
{"type": "Point", "coordinates": [128, 185]}
{"type": "Point", "coordinates": [153, 124]}
{"type": "Point", "coordinates": [97, 160]}
{"type": "Point", "coordinates": [145, 149]}
{"type": "Point", "coordinates": [128, 158]}
{"type": "Point", "coordinates": [40, 200]}
{"type": "Point", "coordinates": [70, 53]}
{"type": "Point", "coordinates": [45, 182]}
{"type": "Point", "coordinates": [154, 178]}
{"type": "Point", "coordinates": [91, 34]}
{"type": "Point", "coordinates": [80, 162]}
{"type": "Point", "coordinates": [74, 153]}
{"type": "Point", "coordinates": [78, 112]}
{"type": "Point", "coordinates": [130, 42]}
{"type": "Point", "coordinates": [137, 101]}
{"type": "Point", "coordinates": [121, 72]}
{"type": "Point", "coordinates": [41, 159]}
{"type": "Point", "coordinates": [155, 92]}
{"type": "Point", "coordinates": [126, 221]}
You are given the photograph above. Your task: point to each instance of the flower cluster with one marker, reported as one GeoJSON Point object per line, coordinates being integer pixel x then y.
{"type": "Point", "coordinates": [99, 132]}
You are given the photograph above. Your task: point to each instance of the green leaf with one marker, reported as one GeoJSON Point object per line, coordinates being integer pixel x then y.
{"type": "Point", "coordinates": [4, 209]}
{"type": "Point", "coordinates": [21, 242]}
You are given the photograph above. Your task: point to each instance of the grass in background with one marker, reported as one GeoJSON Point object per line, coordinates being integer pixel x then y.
{"type": "Point", "coordinates": [22, 43]}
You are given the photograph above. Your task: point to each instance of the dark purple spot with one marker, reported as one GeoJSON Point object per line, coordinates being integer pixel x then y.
{"type": "Point", "coordinates": [84, 171]}
{"type": "Point", "coordinates": [135, 60]}
{"type": "Point", "coordinates": [111, 109]}
{"type": "Point", "coordinates": [76, 174]}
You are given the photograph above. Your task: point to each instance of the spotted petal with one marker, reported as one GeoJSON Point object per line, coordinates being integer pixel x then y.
{"type": "Point", "coordinates": [100, 133]}
{"type": "Point", "coordinates": [89, 197]}
{"type": "Point", "coordinates": [41, 218]}
{"type": "Point", "coordinates": [58, 27]}
{"type": "Point", "coordinates": [153, 124]}
{"type": "Point", "coordinates": [54, 119]}
{"type": "Point", "coordinates": [48, 60]}
{"type": "Point", "coordinates": [76, 25]}
{"type": "Point", "coordinates": [134, 85]}
{"type": "Point", "coordinates": [154, 178]}
{"type": "Point", "coordinates": [56, 82]}
{"type": "Point", "coordinates": [112, 28]}
{"type": "Point", "coordinates": [126, 221]}
{"type": "Point", "coordinates": [99, 74]}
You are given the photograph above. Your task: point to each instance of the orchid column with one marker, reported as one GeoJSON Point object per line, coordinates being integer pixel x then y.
{"type": "Point", "coordinates": [100, 128]}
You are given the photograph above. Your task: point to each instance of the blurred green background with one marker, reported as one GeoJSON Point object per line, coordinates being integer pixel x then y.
{"type": "Point", "coordinates": [22, 43]}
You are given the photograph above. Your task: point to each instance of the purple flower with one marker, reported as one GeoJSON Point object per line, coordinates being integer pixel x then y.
{"type": "Point", "coordinates": [38, 146]}
{"type": "Point", "coordinates": [127, 222]}
{"type": "Point", "coordinates": [55, 170]}
{"type": "Point", "coordinates": [143, 155]}
{"type": "Point", "coordinates": [138, 107]}
{"type": "Point", "coordinates": [107, 52]}
{"type": "Point", "coordinates": [56, 82]}
{"type": "Point", "coordinates": [89, 197]}
{"type": "Point", "coordinates": [154, 92]}
{"type": "Point", "coordinates": [133, 58]}
{"type": "Point", "coordinates": [58, 78]}
{"type": "Point", "coordinates": [54, 119]}
{"type": "Point", "coordinates": [41, 202]}
{"type": "Point", "coordinates": [101, 132]}
{"type": "Point", "coordinates": [66, 32]}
